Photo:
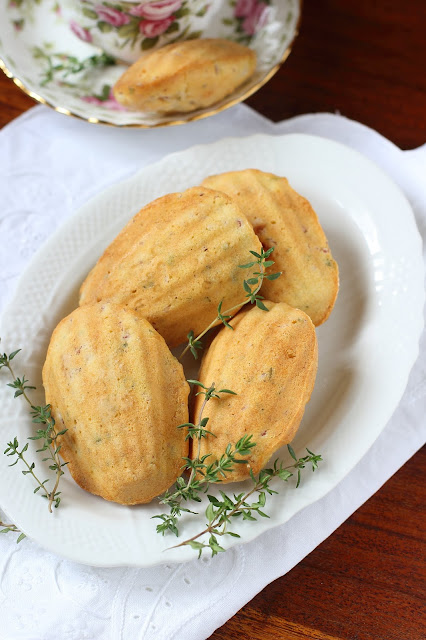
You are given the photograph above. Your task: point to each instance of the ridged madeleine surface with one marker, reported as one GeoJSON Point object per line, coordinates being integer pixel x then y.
{"type": "Point", "coordinates": [113, 383]}
{"type": "Point", "coordinates": [175, 261]}
{"type": "Point", "coordinates": [270, 361]}
{"type": "Point", "coordinates": [186, 75]}
{"type": "Point", "coordinates": [285, 220]}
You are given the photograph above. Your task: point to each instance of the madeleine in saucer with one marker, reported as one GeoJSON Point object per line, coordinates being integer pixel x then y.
{"type": "Point", "coordinates": [185, 76]}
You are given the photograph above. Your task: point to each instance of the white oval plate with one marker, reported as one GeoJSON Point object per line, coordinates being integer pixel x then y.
{"type": "Point", "coordinates": [41, 53]}
{"type": "Point", "coordinates": [366, 348]}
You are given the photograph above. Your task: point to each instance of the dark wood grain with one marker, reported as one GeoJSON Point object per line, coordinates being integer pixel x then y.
{"type": "Point", "coordinates": [367, 581]}
{"type": "Point", "coordinates": [13, 101]}
{"type": "Point", "coordinates": [363, 59]}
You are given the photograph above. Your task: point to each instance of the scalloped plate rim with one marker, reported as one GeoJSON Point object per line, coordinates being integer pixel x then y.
{"type": "Point", "coordinates": [253, 142]}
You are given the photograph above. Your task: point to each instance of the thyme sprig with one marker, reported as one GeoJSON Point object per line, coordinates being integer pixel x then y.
{"type": "Point", "coordinates": [67, 65]}
{"type": "Point", "coordinates": [7, 528]}
{"type": "Point", "coordinates": [220, 512]}
{"type": "Point", "coordinates": [41, 415]}
{"type": "Point", "coordinates": [201, 472]}
{"type": "Point", "coordinates": [251, 287]}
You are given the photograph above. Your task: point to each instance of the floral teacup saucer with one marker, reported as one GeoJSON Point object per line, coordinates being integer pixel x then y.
{"type": "Point", "coordinates": [59, 62]}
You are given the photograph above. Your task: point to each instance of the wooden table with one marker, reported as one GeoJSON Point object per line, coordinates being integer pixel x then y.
{"type": "Point", "coordinates": [365, 60]}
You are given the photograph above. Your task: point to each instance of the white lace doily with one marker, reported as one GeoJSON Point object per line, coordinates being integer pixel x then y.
{"type": "Point", "coordinates": [49, 166]}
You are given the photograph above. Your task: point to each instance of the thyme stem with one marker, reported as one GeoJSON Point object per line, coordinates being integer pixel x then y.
{"type": "Point", "coordinates": [9, 366]}
{"type": "Point", "coordinates": [214, 322]}
{"type": "Point", "coordinates": [214, 522]}
{"type": "Point", "coordinates": [30, 468]}
{"type": "Point", "coordinates": [11, 527]}
{"type": "Point", "coordinates": [251, 296]}
{"type": "Point", "coordinates": [200, 418]}
{"type": "Point", "coordinates": [228, 508]}
{"type": "Point", "coordinates": [41, 415]}
{"type": "Point", "coordinates": [52, 448]}
{"type": "Point", "coordinates": [201, 474]}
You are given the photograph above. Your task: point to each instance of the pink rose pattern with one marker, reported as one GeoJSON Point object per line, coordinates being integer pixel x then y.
{"type": "Point", "coordinates": [244, 8]}
{"type": "Point", "coordinates": [253, 15]}
{"type": "Point", "coordinates": [159, 10]}
{"type": "Point", "coordinates": [155, 18]}
{"type": "Point", "coordinates": [154, 28]}
{"type": "Point", "coordinates": [113, 16]}
{"type": "Point", "coordinates": [81, 33]}
{"type": "Point", "coordinates": [111, 103]}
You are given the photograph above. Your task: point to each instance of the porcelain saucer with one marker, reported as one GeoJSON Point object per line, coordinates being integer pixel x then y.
{"type": "Point", "coordinates": [55, 61]}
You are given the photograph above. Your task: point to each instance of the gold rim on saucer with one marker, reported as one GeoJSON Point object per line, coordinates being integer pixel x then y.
{"type": "Point", "coordinates": [178, 121]}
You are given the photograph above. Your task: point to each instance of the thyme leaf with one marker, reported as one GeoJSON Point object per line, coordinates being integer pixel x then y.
{"type": "Point", "coordinates": [202, 473]}
{"type": "Point", "coordinates": [41, 415]}
{"type": "Point", "coordinates": [222, 512]}
{"type": "Point", "coordinates": [66, 65]}
{"type": "Point", "coordinates": [251, 288]}
{"type": "Point", "coordinates": [11, 528]}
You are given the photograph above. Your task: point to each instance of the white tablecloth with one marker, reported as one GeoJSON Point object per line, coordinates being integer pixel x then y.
{"type": "Point", "coordinates": [49, 166]}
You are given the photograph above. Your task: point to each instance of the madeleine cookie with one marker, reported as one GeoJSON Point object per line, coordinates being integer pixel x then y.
{"type": "Point", "coordinates": [270, 361]}
{"type": "Point", "coordinates": [185, 76]}
{"type": "Point", "coordinates": [285, 220]}
{"type": "Point", "coordinates": [175, 261]}
{"type": "Point", "coordinates": [114, 385]}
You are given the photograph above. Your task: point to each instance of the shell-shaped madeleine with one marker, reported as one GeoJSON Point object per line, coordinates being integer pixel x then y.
{"type": "Point", "coordinates": [186, 75]}
{"type": "Point", "coordinates": [285, 220]}
{"type": "Point", "coordinates": [270, 361]}
{"type": "Point", "coordinates": [114, 385]}
{"type": "Point", "coordinates": [175, 261]}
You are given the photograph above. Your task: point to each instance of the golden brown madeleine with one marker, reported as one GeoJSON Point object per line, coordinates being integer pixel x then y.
{"type": "Point", "coordinates": [113, 383]}
{"type": "Point", "coordinates": [185, 76]}
{"type": "Point", "coordinates": [285, 220]}
{"type": "Point", "coordinates": [175, 261]}
{"type": "Point", "coordinates": [270, 361]}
